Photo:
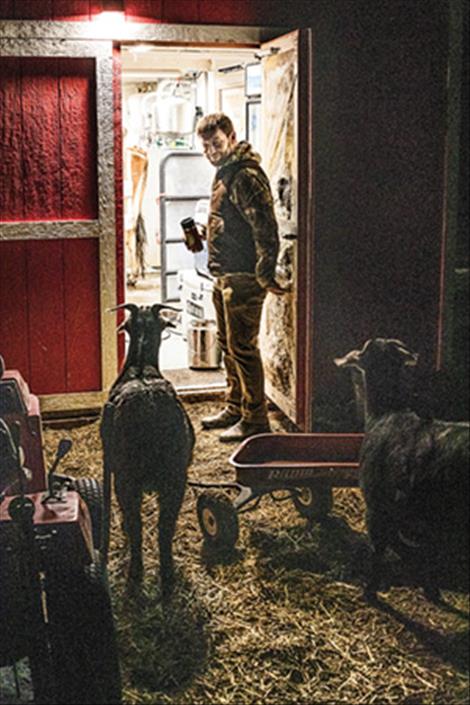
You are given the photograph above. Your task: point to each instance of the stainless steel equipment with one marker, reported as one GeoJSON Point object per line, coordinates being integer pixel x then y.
{"type": "Point", "coordinates": [203, 348]}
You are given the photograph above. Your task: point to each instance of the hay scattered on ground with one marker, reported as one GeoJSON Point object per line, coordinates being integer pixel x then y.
{"type": "Point", "coordinates": [281, 620]}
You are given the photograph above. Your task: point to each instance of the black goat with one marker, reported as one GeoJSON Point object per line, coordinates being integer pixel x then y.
{"type": "Point", "coordinates": [147, 439]}
{"type": "Point", "coordinates": [414, 471]}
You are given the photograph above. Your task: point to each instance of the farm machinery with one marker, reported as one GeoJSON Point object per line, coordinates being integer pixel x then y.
{"type": "Point", "coordinates": [56, 618]}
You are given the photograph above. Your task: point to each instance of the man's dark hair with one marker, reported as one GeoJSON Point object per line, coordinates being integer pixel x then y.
{"type": "Point", "coordinates": [209, 124]}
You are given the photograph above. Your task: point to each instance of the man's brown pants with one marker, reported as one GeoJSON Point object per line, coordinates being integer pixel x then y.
{"type": "Point", "coordinates": [238, 301]}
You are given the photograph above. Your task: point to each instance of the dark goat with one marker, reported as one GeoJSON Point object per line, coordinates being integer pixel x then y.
{"type": "Point", "coordinates": [414, 471]}
{"type": "Point", "coordinates": [147, 439]}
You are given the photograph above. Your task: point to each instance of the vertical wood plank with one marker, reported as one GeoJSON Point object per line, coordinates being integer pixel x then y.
{"type": "Point", "coordinates": [143, 10]}
{"type": "Point", "coordinates": [33, 9]}
{"type": "Point", "coordinates": [13, 307]}
{"type": "Point", "coordinates": [216, 12]}
{"type": "Point", "coordinates": [185, 11]}
{"type": "Point", "coordinates": [40, 100]}
{"type": "Point", "coordinates": [6, 10]}
{"type": "Point", "coordinates": [46, 334]}
{"type": "Point", "coordinates": [78, 139]}
{"type": "Point", "coordinates": [82, 315]}
{"type": "Point", "coordinates": [74, 10]}
{"type": "Point", "coordinates": [11, 142]}
{"type": "Point", "coordinates": [117, 117]}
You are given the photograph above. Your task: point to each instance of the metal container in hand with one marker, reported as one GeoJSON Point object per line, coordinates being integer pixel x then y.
{"type": "Point", "coordinates": [191, 235]}
{"type": "Point", "coordinates": [203, 347]}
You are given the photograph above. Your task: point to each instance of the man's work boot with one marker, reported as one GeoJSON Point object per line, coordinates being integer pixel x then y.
{"type": "Point", "coordinates": [223, 419]}
{"type": "Point", "coordinates": [244, 429]}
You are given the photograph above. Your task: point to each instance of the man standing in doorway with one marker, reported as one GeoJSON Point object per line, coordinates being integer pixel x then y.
{"type": "Point", "coordinates": [243, 245]}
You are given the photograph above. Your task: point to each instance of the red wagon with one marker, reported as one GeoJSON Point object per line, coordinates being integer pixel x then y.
{"type": "Point", "coordinates": [301, 467]}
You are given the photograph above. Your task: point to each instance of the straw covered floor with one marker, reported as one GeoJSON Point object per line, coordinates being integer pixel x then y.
{"type": "Point", "coordinates": [282, 618]}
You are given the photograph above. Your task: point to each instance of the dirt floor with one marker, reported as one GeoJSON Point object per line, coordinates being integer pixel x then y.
{"type": "Point", "coordinates": [281, 619]}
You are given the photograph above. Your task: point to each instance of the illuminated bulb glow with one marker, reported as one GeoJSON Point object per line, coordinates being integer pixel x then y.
{"type": "Point", "coordinates": [141, 48]}
{"type": "Point", "coordinates": [111, 19]}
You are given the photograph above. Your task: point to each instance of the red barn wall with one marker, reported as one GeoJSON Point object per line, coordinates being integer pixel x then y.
{"type": "Point", "coordinates": [379, 138]}
{"type": "Point", "coordinates": [242, 12]}
{"type": "Point", "coordinates": [380, 109]}
{"type": "Point", "coordinates": [49, 288]}
{"type": "Point", "coordinates": [47, 154]}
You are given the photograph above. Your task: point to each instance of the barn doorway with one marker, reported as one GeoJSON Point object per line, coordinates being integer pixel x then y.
{"type": "Point", "coordinates": [166, 178]}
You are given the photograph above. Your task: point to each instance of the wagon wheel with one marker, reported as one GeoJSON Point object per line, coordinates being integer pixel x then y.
{"type": "Point", "coordinates": [314, 502]}
{"type": "Point", "coordinates": [91, 491]}
{"type": "Point", "coordinates": [218, 520]}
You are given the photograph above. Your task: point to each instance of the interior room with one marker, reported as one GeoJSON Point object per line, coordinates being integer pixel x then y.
{"type": "Point", "coordinates": [167, 178]}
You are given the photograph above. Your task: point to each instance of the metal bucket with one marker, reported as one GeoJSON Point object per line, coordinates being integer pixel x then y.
{"type": "Point", "coordinates": [203, 348]}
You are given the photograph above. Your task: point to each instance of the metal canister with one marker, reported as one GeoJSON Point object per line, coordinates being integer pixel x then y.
{"type": "Point", "coordinates": [191, 235]}
{"type": "Point", "coordinates": [203, 347]}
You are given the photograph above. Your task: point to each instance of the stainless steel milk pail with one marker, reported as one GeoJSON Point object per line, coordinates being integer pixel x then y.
{"type": "Point", "coordinates": [203, 348]}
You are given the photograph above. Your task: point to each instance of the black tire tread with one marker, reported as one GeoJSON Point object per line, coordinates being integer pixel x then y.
{"type": "Point", "coordinates": [221, 506]}
{"type": "Point", "coordinates": [91, 491]}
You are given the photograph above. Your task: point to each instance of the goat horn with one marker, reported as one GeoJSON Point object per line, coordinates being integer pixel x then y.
{"type": "Point", "coordinates": [160, 307]}
{"type": "Point", "coordinates": [133, 308]}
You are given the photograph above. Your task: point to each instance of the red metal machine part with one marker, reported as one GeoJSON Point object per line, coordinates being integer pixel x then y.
{"type": "Point", "coordinates": [19, 406]}
{"type": "Point", "coordinates": [55, 601]}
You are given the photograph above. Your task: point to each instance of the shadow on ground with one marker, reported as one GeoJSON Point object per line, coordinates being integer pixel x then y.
{"type": "Point", "coordinates": [164, 645]}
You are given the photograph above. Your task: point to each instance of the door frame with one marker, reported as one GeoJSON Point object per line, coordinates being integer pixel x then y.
{"type": "Point", "coordinates": [103, 228]}
{"type": "Point", "coordinates": [300, 408]}
{"type": "Point", "coordinates": [93, 39]}
{"type": "Point", "coordinates": [306, 225]}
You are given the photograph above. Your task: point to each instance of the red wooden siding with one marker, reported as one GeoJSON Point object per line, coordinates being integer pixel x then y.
{"type": "Point", "coordinates": [32, 9]}
{"type": "Point", "coordinates": [48, 150]}
{"type": "Point", "coordinates": [241, 12]}
{"type": "Point", "coordinates": [46, 315]}
{"type": "Point", "coordinates": [49, 319]}
{"type": "Point", "coordinates": [41, 140]}
{"type": "Point", "coordinates": [78, 138]}
{"type": "Point", "coordinates": [186, 11]}
{"type": "Point", "coordinates": [82, 316]}
{"type": "Point", "coordinates": [14, 306]}
{"type": "Point", "coordinates": [144, 10]}
{"type": "Point", "coordinates": [11, 141]}
{"type": "Point", "coordinates": [75, 10]}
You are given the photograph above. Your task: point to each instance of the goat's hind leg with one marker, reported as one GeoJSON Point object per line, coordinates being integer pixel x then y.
{"type": "Point", "coordinates": [378, 538]}
{"type": "Point", "coordinates": [130, 502]}
{"type": "Point", "coordinates": [170, 505]}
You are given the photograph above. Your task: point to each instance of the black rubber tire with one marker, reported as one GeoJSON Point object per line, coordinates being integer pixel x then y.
{"type": "Point", "coordinates": [314, 502]}
{"type": "Point", "coordinates": [218, 520]}
{"type": "Point", "coordinates": [91, 491]}
{"type": "Point", "coordinates": [82, 637]}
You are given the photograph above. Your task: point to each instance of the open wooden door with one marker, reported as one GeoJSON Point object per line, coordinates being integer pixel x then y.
{"type": "Point", "coordinates": [286, 333]}
{"type": "Point", "coordinates": [57, 216]}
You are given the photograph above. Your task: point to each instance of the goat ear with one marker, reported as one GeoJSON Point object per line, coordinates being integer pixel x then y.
{"type": "Point", "coordinates": [350, 360]}
{"type": "Point", "coordinates": [166, 314]}
{"type": "Point", "coordinates": [168, 317]}
{"type": "Point", "coordinates": [407, 356]}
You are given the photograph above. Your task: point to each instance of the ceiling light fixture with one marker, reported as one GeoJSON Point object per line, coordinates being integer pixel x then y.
{"type": "Point", "coordinates": [112, 17]}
